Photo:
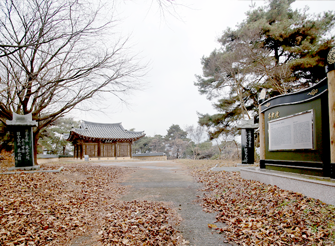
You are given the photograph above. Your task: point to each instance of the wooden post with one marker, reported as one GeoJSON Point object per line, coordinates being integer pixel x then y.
{"type": "Point", "coordinates": [82, 150]}
{"type": "Point", "coordinates": [330, 69]}
{"type": "Point", "coordinates": [261, 138]}
{"type": "Point", "coordinates": [331, 99]}
{"type": "Point", "coordinates": [99, 150]}
{"type": "Point", "coordinates": [131, 149]}
{"type": "Point", "coordinates": [261, 125]}
{"type": "Point", "coordinates": [115, 151]}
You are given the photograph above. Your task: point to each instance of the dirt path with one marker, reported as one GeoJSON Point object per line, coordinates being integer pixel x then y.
{"type": "Point", "coordinates": [170, 182]}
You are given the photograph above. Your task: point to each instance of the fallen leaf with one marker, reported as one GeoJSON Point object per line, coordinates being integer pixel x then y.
{"type": "Point", "coordinates": [211, 226]}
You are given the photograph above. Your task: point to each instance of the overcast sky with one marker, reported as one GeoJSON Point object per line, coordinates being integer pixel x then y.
{"type": "Point", "coordinates": [173, 46]}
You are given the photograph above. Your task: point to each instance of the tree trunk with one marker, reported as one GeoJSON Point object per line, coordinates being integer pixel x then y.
{"type": "Point", "coordinates": [244, 109]}
{"type": "Point", "coordinates": [35, 143]}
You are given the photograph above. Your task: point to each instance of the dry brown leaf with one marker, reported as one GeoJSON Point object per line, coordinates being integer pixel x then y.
{"type": "Point", "coordinates": [256, 212]}
{"type": "Point", "coordinates": [212, 226]}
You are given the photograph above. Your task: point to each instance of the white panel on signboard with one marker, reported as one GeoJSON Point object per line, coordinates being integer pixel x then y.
{"type": "Point", "coordinates": [292, 132]}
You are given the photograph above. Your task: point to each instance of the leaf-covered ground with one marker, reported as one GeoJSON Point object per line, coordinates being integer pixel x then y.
{"type": "Point", "coordinates": [139, 223]}
{"type": "Point", "coordinates": [83, 201]}
{"type": "Point", "coordinates": [260, 214]}
{"type": "Point", "coordinates": [54, 208]}
{"type": "Point", "coordinates": [6, 160]}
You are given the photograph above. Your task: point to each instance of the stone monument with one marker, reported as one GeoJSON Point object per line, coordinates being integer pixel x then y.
{"type": "Point", "coordinates": [22, 125]}
{"type": "Point", "coordinates": [247, 141]}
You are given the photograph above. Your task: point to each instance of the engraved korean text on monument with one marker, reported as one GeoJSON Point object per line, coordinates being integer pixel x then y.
{"type": "Point", "coordinates": [292, 132]}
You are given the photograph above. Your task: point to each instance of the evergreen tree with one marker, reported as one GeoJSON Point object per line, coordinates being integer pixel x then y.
{"type": "Point", "coordinates": [52, 137]}
{"type": "Point", "coordinates": [142, 145]}
{"type": "Point", "coordinates": [175, 132]}
{"type": "Point", "coordinates": [275, 47]}
{"type": "Point", "coordinates": [176, 140]}
{"type": "Point", "coordinates": [157, 144]}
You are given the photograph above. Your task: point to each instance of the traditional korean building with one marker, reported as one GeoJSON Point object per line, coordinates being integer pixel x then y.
{"type": "Point", "coordinates": [103, 141]}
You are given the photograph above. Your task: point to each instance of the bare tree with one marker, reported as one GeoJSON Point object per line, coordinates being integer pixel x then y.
{"type": "Point", "coordinates": [178, 147]}
{"type": "Point", "coordinates": [157, 144]}
{"type": "Point", "coordinates": [58, 54]}
{"type": "Point", "coordinates": [196, 134]}
{"type": "Point", "coordinates": [228, 147]}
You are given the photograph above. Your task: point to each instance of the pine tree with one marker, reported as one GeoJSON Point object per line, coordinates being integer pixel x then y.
{"type": "Point", "coordinates": [275, 47]}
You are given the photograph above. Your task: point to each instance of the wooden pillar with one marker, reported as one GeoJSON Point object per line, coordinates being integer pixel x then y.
{"type": "Point", "coordinates": [99, 151]}
{"type": "Point", "coordinates": [78, 151]}
{"type": "Point", "coordinates": [81, 148]}
{"type": "Point", "coordinates": [261, 125]}
{"type": "Point", "coordinates": [331, 99]}
{"type": "Point", "coordinates": [130, 149]}
{"type": "Point", "coordinates": [115, 150]}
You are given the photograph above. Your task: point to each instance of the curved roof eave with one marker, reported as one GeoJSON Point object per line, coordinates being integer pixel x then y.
{"type": "Point", "coordinates": [74, 135]}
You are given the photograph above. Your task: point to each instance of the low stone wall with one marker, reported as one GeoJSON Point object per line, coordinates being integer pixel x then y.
{"type": "Point", "coordinates": [46, 160]}
{"type": "Point", "coordinates": [62, 159]}
{"type": "Point", "coordinates": [323, 190]}
{"type": "Point", "coordinates": [42, 160]}
{"type": "Point", "coordinates": [151, 158]}
{"type": "Point", "coordinates": [146, 158]}
{"type": "Point", "coordinates": [108, 158]}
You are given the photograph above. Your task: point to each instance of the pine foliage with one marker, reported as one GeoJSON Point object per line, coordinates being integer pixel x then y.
{"type": "Point", "coordinates": [275, 47]}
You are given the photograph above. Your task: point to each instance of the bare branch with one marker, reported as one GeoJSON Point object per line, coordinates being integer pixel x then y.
{"type": "Point", "coordinates": [54, 56]}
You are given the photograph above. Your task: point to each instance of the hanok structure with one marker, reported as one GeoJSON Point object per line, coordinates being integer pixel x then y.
{"type": "Point", "coordinates": [103, 141]}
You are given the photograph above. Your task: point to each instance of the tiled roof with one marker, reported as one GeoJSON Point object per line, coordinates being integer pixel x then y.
{"type": "Point", "coordinates": [114, 131]}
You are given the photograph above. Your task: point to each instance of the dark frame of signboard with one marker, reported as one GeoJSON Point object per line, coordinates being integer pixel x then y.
{"type": "Point", "coordinates": [313, 161]}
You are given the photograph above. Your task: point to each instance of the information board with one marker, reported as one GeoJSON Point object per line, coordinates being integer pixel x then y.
{"type": "Point", "coordinates": [292, 132]}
